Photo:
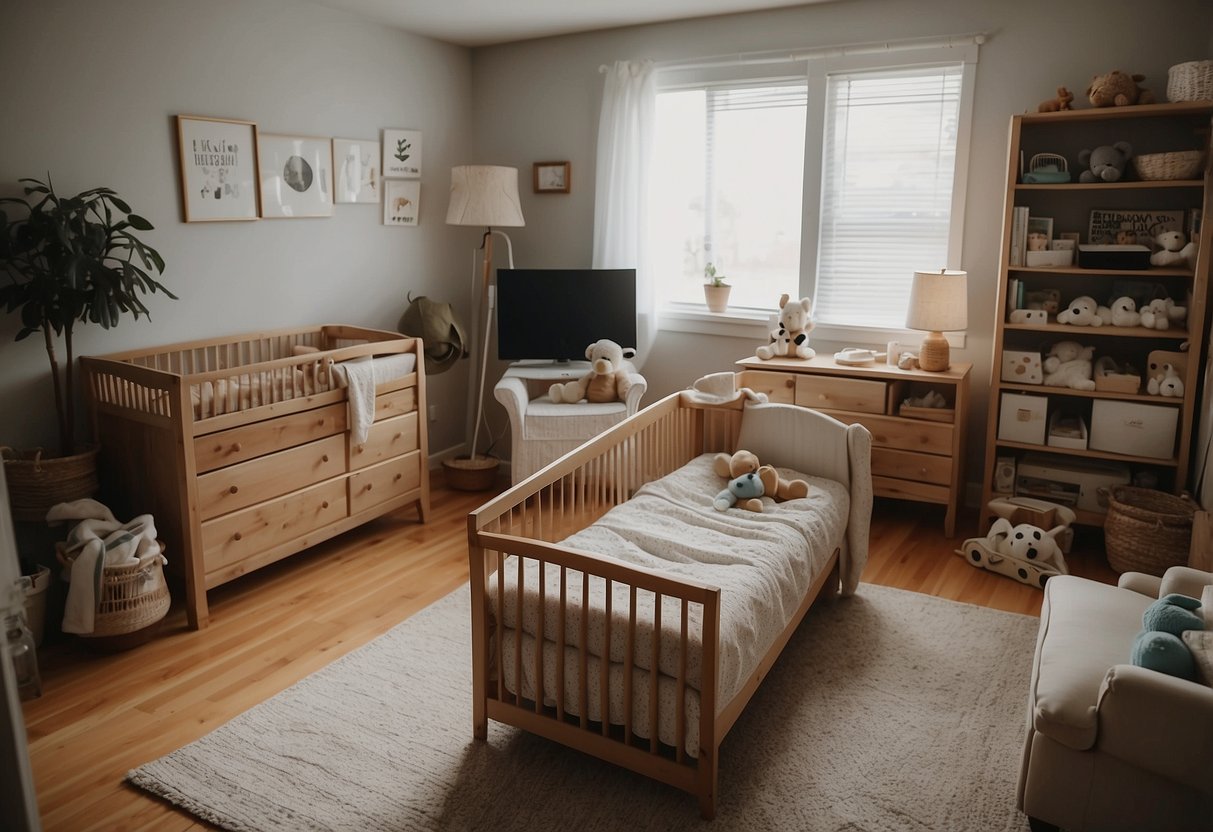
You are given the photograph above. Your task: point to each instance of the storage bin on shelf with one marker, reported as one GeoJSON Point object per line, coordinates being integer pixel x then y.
{"type": "Point", "coordinates": [133, 597]}
{"type": "Point", "coordinates": [1146, 530]}
{"type": "Point", "coordinates": [1190, 81]}
{"type": "Point", "coordinates": [1176, 164]}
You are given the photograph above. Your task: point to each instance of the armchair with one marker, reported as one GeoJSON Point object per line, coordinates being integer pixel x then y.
{"type": "Point", "coordinates": [542, 431]}
{"type": "Point", "coordinates": [1112, 746]}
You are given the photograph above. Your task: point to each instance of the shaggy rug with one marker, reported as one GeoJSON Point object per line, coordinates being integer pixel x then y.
{"type": "Point", "coordinates": [889, 710]}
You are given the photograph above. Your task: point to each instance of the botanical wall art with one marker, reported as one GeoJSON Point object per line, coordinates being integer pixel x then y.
{"type": "Point", "coordinates": [356, 167]}
{"type": "Point", "coordinates": [296, 176]}
{"type": "Point", "coordinates": [401, 202]}
{"type": "Point", "coordinates": [402, 153]}
{"type": "Point", "coordinates": [551, 177]}
{"type": "Point", "coordinates": [218, 168]}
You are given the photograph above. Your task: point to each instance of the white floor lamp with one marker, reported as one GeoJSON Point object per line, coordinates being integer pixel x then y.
{"type": "Point", "coordinates": [484, 195]}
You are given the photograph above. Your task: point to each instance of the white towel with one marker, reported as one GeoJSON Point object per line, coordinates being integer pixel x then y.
{"type": "Point", "coordinates": [96, 541]}
{"type": "Point", "coordinates": [719, 388]}
{"type": "Point", "coordinates": [361, 375]}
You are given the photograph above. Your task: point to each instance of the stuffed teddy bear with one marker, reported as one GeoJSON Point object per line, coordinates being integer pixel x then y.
{"type": "Point", "coordinates": [1154, 314]}
{"type": "Point", "coordinates": [1084, 311]}
{"type": "Point", "coordinates": [742, 492]}
{"type": "Point", "coordinates": [745, 462]}
{"type": "Point", "coordinates": [1069, 365]}
{"type": "Point", "coordinates": [1166, 382]}
{"type": "Point", "coordinates": [1117, 89]}
{"type": "Point", "coordinates": [792, 337]}
{"type": "Point", "coordinates": [1124, 312]}
{"type": "Point", "coordinates": [1105, 163]}
{"type": "Point", "coordinates": [1173, 249]}
{"type": "Point", "coordinates": [608, 379]}
{"type": "Point", "coordinates": [1061, 102]}
{"type": "Point", "coordinates": [1159, 645]}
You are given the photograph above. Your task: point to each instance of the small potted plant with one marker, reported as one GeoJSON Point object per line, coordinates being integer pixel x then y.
{"type": "Point", "coordinates": [68, 260]}
{"type": "Point", "coordinates": [715, 290]}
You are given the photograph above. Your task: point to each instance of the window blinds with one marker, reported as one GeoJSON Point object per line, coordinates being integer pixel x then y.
{"type": "Point", "coordinates": [889, 155]}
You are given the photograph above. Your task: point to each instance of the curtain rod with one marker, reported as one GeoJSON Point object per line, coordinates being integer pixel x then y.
{"type": "Point", "coordinates": [871, 47]}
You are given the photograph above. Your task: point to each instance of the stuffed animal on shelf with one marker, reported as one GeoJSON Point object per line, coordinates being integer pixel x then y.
{"type": "Point", "coordinates": [742, 492]}
{"type": "Point", "coordinates": [1124, 312]}
{"type": "Point", "coordinates": [791, 339]}
{"type": "Point", "coordinates": [1166, 382]}
{"type": "Point", "coordinates": [1105, 163]}
{"type": "Point", "coordinates": [1084, 311]}
{"type": "Point", "coordinates": [1154, 314]}
{"type": "Point", "coordinates": [1069, 365]}
{"type": "Point", "coordinates": [1118, 89]}
{"type": "Point", "coordinates": [1159, 646]}
{"type": "Point", "coordinates": [608, 380]}
{"type": "Point", "coordinates": [1173, 250]}
{"type": "Point", "coordinates": [731, 466]}
{"type": "Point", "coordinates": [1061, 102]}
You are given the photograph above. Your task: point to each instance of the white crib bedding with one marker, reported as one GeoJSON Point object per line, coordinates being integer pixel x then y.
{"type": "Point", "coordinates": [763, 563]}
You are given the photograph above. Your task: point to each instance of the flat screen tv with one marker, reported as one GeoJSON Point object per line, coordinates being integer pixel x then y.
{"type": "Point", "coordinates": [554, 314]}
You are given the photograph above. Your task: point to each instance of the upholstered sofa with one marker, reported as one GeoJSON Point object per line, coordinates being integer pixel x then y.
{"type": "Point", "coordinates": [1112, 746]}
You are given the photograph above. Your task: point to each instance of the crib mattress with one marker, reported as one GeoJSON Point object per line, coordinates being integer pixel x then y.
{"type": "Point", "coordinates": [763, 563]}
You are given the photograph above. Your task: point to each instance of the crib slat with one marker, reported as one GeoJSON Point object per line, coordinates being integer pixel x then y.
{"type": "Point", "coordinates": [583, 680]}
{"type": "Point", "coordinates": [653, 672]}
{"type": "Point", "coordinates": [629, 659]}
{"type": "Point", "coordinates": [518, 630]}
{"type": "Point", "coordinates": [680, 727]}
{"type": "Point", "coordinates": [539, 640]}
{"type": "Point", "coordinates": [501, 626]}
{"type": "Point", "coordinates": [604, 673]}
{"type": "Point", "coordinates": [560, 644]}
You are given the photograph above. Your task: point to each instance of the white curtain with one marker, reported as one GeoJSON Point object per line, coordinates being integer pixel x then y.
{"type": "Point", "coordinates": [625, 149]}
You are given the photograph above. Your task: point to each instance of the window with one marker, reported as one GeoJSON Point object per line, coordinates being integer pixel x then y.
{"type": "Point", "coordinates": [830, 177]}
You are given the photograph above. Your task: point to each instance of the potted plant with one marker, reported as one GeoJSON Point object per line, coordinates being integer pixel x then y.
{"type": "Point", "coordinates": [68, 260]}
{"type": "Point", "coordinates": [715, 290]}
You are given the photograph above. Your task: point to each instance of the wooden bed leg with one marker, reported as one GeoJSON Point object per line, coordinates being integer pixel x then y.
{"type": "Point", "coordinates": [707, 784]}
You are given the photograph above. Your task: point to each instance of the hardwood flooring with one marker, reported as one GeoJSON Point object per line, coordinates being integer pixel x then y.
{"type": "Point", "coordinates": [103, 714]}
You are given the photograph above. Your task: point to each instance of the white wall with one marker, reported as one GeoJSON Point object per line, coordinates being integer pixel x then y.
{"type": "Point", "coordinates": [539, 100]}
{"type": "Point", "coordinates": [89, 95]}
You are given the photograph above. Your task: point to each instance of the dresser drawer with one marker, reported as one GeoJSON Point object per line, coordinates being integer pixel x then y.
{"type": "Point", "coordinates": [228, 447]}
{"type": "Point", "coordinates": [831, 393]}
{"type": "Point", "coordinates": [903, 434]}
{"type": "Point", "coordinates": [779, 387]}
{"type": "Point", "coordinates": [385, 440]}
{"type": "Point", "coordinates": [234, 537]}
{"type": "Point", "coordinates": [908, 465]}
{"type": "Point", "coordinates": [246, 483]}
{"type": "Point", "coordinates": [395, 403]}
{"type": "Point", "coordinates": [382, 482]}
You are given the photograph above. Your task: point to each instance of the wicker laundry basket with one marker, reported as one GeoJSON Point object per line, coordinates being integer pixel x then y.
{"type": "Point", "coordinates": [1147, 530]}
{"type": "Point", "coordinates": [1190, 81]}
{"type": "Point", "coordinates": [37, 482]}
{"type": "Point", "coordinates": [133, 597]}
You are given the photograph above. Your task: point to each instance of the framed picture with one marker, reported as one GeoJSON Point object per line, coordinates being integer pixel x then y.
{"type": "Point", "coordinates": [1040, 233]}
{"type": "Point", "coordinates": [401, 202]}
{"type": "Point", "coordinates": [218, 159]}
{"type": "Point", "coordinates": [402, 153]}
{"type": "Point", "coordinates": [1131, 227]}
{"type": "Point", "coordinates": [296, 176]}
{"type": "Point", "coordinates": [356, 168]}
{"type": "Point", "coordinates": [551, 177]}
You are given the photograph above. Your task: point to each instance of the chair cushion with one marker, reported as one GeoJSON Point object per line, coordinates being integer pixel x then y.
{"type": "Point", "coordinates": [547, 420]}
{"type": "Point", "coordinates": [1085, 628]}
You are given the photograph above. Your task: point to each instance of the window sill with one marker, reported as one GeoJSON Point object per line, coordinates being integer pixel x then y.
{"type": "Point", "coordinates": [755, 323]}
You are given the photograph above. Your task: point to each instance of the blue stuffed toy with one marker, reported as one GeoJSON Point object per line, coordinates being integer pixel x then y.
{"type": "Point", "coordinates": [1159, 646]}
{"type": "Point", "coordinates": [743, 492]}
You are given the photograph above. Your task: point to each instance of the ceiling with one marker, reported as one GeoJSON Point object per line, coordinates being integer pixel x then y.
{"type": "Point", "coordinates": [485, 22]}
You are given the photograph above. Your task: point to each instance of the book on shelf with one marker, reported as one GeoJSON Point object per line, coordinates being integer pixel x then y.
{"type": "Point", "coordinates": [1019, 234]}
{"type": "Point", "coordinates": [1192, 228]}
{"type": "Point", "coordinates": [1131, 227]}
{"type": "Point", "coordinates": [1012, 295]}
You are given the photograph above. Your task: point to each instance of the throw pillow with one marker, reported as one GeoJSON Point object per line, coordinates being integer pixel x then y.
{"type": "Point", "coordinates": [1200, 645]}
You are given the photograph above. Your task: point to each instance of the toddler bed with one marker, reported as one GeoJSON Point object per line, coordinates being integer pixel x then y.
{"type": "Point", "coordinates": [608, 585]}
{"type": "Point", "coordinates": [249, 448]}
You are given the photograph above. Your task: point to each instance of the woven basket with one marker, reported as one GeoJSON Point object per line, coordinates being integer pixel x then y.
{"type": "Point", "coordinates": [132, 597]}
{"type": "Point", "coordinates": [35, 482]}
{"type": "Point", "coordinates": [1179, 164]}
{"type": "Point", "coordinates": [1146, 530]}
{"type": "Point", "coordinates": [1191, 81]}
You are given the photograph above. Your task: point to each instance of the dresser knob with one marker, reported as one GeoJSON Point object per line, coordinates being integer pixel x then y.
{"type": "Point", "coordinates": [235, 447]}
{"type": "Point", "coordinates": [237, 536]}
{"type": "Point", "coordinates": [324, 458]}
{"type": "Point", "coordinates": [789, 383]}
{"type": "Point", "coordinates": [325, 504]}
{"type": "Point", "coordinates": [233, 489]}
{"type": "Point", "coordinates": [369, 486]}
{"type": "Point", "coordinates": [397, 436]}
{"type": "Point", "coordinates": [397, 478]}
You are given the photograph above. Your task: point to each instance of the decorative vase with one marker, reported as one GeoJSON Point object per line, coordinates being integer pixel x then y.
{"type": "Point", "coordinates": [477, 473]}
{"type": "Point", "coordinates": [36, 482]}
{"type": "Point", "coordinates": [717, 297]}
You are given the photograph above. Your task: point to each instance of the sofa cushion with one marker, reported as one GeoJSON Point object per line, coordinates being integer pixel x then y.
{"type": "Point", "coordinates": [1200, 643]}
{"type": "Point", "coordinates": [546, 419]}
{"type": "Point", "coordinates": [1085, 628]}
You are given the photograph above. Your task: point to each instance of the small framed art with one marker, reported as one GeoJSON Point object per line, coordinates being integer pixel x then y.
{"type": "Point", "coordinates": [401, 202]}
{"type": "Point", "coordinates": [296, 176]}
{"type": "Point", "coordinates": [218, 158]}
{"type": "Point", "coordinates": [402, 153]}
{"type": "Point", "coordinates": [356, 168]}
{"type": "Point", "coordinates": [551, 177]}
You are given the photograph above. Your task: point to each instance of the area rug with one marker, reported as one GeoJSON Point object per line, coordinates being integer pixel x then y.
{"type": "Point", "coordinates": [889, 710]}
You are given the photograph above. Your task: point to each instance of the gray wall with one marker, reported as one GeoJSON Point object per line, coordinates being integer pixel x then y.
{"type": "Point", "coordinates": [539, 100]}
{"type": "Point", "coordinates": [90, 92]}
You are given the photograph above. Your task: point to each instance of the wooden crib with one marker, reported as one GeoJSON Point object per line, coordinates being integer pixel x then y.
{"type": "Point", "coordinates": [241, 447]}
{"type": "Point", "coordinates": [678, 625]}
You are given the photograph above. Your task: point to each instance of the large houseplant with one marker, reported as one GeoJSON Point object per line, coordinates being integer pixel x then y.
{"type": "Point", "coordinates": [69, 260]}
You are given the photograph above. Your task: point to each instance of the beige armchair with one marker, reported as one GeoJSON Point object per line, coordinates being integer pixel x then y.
{"type": "Point", "coordinates": [1111, 746]}
{"type": "Point", "coordinates": [542, 431]}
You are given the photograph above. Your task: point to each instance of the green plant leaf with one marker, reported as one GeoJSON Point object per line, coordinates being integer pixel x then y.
{"type": "Point", "coordinates": [138, 223]}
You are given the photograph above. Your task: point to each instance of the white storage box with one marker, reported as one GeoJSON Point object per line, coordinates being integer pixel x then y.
{"type": "Point", "coordinates": [1021, 418]}
{"type": "Point", "coordinates": [1037, 259]}
{"type": "Point", "coordinates": [1071, 482]}
{"type": "Point", "coordinates": [1021, 367]}
{"type": "Point", "coordinates": [1067, 432]}
{"type": "Point", "coordinates": [1135, 429]}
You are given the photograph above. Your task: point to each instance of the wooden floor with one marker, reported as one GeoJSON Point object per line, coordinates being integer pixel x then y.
{"type": "Point", "coordinates": [101, 715]}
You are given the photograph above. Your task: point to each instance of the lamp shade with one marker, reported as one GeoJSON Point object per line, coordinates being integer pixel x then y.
{"type": "Point", "coordinates": [484, 195]}
{"type": "Point", "coordinates": [938, 301]}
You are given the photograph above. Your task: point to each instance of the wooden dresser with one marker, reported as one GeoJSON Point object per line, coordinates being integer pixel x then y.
{"type": "Point", "coordinates": [917, 453]}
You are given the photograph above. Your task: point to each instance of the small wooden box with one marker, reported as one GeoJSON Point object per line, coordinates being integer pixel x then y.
{"type": "Point", "coordinates": [1118, 383]}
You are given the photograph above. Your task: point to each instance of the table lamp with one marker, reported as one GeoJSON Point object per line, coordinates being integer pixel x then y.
{"type": "Point", "coordinates": [484, 195]}
{"type": "Point", "coordinates": [938, 304]}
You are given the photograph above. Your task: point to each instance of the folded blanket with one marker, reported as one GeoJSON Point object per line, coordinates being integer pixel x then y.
{"type": "Point", "coordinates": [361, 375]}
{"type": "Point", "coordinates": [96, 541]}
